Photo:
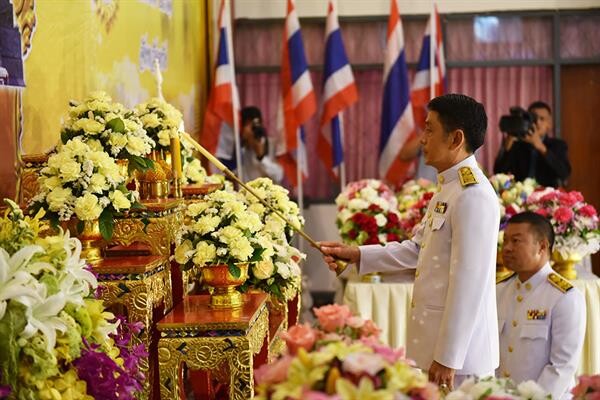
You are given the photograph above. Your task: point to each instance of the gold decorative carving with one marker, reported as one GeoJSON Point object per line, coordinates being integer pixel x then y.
{"type": "Point", "coordinates": [30, 167]}
{"type": "Point", "coordinates": [209, 353]}
{"type": "Point", "coordinates": [159, 232]}
{"type": "Point", "coordinates": [140, 297]}
{"type": "Point", "coordinates": [25, 15]}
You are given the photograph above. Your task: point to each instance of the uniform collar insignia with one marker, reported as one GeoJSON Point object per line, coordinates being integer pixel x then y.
{"type": "Point", "coordinates": [466, 176]}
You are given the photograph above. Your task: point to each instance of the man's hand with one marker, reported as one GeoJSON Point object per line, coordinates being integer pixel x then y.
{"type": "Point", "coordinates": [536, 139]}
{"type": "Point", "coordinates": [442, 376]}
{"type": "Point", "coordinates": [334, 250]}
{"type": "Point", "coordinates": [509, 141]}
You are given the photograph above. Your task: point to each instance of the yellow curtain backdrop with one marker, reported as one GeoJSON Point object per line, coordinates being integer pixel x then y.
{"type": "Point", "coordinates": [78, 46]}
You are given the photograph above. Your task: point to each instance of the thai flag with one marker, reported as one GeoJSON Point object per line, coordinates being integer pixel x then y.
{"type": "Point", "coordinates": [397, 122]}
{"type": "Point", "coordinates": [339, 92]}
{"type": "Point", "coordinates": [298, 102]}
{"type": "Point", "coordinates": [427, 85]}
{"type": "Point", "coordinates": [222, 112]}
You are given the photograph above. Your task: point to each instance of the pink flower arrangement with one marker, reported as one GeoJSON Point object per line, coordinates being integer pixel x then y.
{"type": "Point", "coordinates": [588, 388]}
{"type": "Point", "coordinates": [367, 213]}
{"type": "Point", "coordinates": [413, 200]}
{"type": "Point", "coordinates": [575, 222]}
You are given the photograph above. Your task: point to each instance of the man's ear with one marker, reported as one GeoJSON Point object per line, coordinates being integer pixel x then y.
{"type": "Point", "coordinates": [457, 139]}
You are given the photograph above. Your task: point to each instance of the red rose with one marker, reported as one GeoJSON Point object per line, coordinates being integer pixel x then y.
{"type": "Point", "coordinates": [543, 212]}
{"type": "Point", "coordinates": [428, 195]}
{"type": "Point", "coordinates": [352, 234]}
{"type": "Point", "coordinates": [392, 237]}
{"type": "Point", "coordinates": [563, 214]}
{"type": "Point", "coordinates": [375, 208]}
{"type": "Point", "coordinates": [372, 240]}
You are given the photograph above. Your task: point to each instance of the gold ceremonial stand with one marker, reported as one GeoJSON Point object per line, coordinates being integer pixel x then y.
{"type": "Point", "coordinates": [205, 338]}
{"type": "Point", "coordinates": [142, 286]}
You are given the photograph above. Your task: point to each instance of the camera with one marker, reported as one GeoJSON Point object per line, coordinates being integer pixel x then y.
{"type": "Point", "coordinates": [258, 130]}
{"type": "Point", "coordinates": [518, 123]}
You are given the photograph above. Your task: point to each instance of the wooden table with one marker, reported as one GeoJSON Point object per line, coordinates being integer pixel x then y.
{"type": "Point", "coordinates": [141, 286]}
{"type": "Point", "coordinates": [206, 338]}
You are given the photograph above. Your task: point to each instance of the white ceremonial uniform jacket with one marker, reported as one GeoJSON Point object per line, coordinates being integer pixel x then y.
{"type": "Point", "coordinates": [453, 311]}
{"type": "Point", "coordinates": [542, 326]}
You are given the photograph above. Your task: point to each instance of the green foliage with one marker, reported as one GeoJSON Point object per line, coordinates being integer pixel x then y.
{"type": "Point", "coordinates": [11, 325]}
{"type": "Point", "coordinates": [107, 223]}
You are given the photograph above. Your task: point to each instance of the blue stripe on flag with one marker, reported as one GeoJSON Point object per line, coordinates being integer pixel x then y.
{"type": "Point", "coordinates": [396, 96]}
{"type": "Point", "coordinates": [336, 141]}
{"type": "Point", "coordinates": [297, 58]}
{"type": "Point", "coordinates": [424, 57]}
{"type": "Point", "coordinates": [222, 58]}
{"type": "Point", "coordinates": [335, 55]}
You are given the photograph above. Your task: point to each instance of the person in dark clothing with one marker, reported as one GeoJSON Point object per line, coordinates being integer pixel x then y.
{"type": "Point", "coordinates": [536, 155]}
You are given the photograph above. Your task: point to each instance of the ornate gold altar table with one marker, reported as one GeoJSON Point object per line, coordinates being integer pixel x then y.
{"type": "Point", "coordinates": [204, 338]}
{"type": "Point", "coordinates": [142, 286]}
{"type": "Point", "coordinates": [388, 305]}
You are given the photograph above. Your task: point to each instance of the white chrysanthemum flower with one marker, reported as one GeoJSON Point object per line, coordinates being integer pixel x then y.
{"type": "Point", "coordinates": [205, 253]}
{"type": "Point", "coordinates": [240, 249]}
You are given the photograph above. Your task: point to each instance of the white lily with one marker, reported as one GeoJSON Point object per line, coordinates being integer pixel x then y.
{"type": "Point", "coordinates": [15, 281]}
{"type": "Point", "coordinates": [42, 315]}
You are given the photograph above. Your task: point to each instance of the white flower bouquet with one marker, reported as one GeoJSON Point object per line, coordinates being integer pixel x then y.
{"type": "Point", "coordinates": [221, 230]}
{"type": "Point", "coordinates": [193, 171]}
{"type": "Point", "coordinates": [497, 388]}
{"type": "Point", "coordinates": [84, 183]}
{"type": "Point", "coordinates": [279, 271]}
{"type": "Point", "coordinates": [161, 120]}
{"type": "Point", "coordinates": [108, 126]}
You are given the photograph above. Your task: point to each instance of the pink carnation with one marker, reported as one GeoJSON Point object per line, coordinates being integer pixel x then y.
{"type": "Point", "coordinates": [275, 372]}
{"type": "Point", "coordinates": [332, 316]}
{"type": "Point", "coordinates": [563, 214]}
{"type": "Point", "coordinates": [300, 336]}
{"type": "Point", "coordinates": [429, 392]}
{"type": "Point", "coordinates": [588, 211]}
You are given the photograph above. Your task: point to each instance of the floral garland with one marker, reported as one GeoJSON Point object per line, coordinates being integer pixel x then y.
{"type": "Point", "coordinates": [346, 365]}
{"type": "Point", "coordinates": [221, 230]}
{"type": "Point", "coordinates": [161, 120]}
{"type": "Point", "coordinates": [367, 213]}
{"type": "Point", "coordinates": [84, 183]}
{"type": "Point", "coordinates": [279, 271]}
{"type": "Point", "coordinates": [50, 320]}
{"type": "Point", "coordinates": [413, 200]}
{"type": "Point", "coordinates": [107, 126]}
{"type": "Point", "coordinates": [575, 222]}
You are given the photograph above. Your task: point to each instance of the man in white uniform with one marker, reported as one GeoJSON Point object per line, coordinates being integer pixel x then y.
{"type": "Point", "coordinates": [541, 316]}
{"type": "Point", "coordinates": [452, 331]}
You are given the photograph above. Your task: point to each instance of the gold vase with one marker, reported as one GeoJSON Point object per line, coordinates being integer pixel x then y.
{"type": "Point", "coordinates": [566, 265]}
{"type": "Point", "coordinates": [154, 184]}
{"type": "Point", "coordinates": [501, 270]}
{"type": "Point", "coordinates": [224, 284]}
{"type": "Point", "coordinates": [90, 238]}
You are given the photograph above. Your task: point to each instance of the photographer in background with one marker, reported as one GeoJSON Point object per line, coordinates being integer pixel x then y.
{"type": "Point", "coordinates": [533, 154]}
{"type": "Point", "coordinates": [256, 161]}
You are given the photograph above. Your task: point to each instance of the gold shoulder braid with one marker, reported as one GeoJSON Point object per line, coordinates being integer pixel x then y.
{"type": "Point", "coordinates": [466, 176]}
{"type": "Point", "coordinates": [559, 282]}
{"type": "Point", "coordinates": [504, 278]}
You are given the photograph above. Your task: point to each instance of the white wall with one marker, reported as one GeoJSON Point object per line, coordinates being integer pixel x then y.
{"type": "Point", "coordinates": [318, 8]}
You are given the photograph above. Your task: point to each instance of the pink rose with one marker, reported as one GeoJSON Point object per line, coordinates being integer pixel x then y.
{"type": "Point", "coordinates": [563, 214]}
{"type": "Point", "coordinates": [332, 316]}
{"type": "Point", "coordinates": [355, 322]}
{"type": "Point", "coordinates": [299, 336]}
{"type": "Point", "coordinates": [359, 363]}
{"type": "Point", "coordinates": [369, 329]}
{"type": "Point", "coordinates": [429, 392]}
{"type": "Point", "coordinates": [588, 211]}
{"type": "Point", "coordinates": [543, 212]}
{"type": "Point", "coordinates": [388, 354]}
{"type": "Point", "coordinates": [273, 373]}
{"type": "Point", "coordinates": [312, 395]}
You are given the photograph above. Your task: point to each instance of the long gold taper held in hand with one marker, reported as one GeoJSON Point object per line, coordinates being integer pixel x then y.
{"type": "Point", "coordinates": [213, 160]}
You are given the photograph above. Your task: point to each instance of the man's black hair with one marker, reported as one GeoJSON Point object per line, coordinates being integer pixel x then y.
{"type": "Point", "coordinates": [457, 111]}
{"type": "Point", "coordinates": [539, 104]}
{"type": "Point", "coordinates": [538, 223]}
{"type": "Point", "coordinates": [250, 113]}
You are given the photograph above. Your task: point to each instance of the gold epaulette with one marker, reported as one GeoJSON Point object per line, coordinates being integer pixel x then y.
{"type": "Point", "coordinates": [466, 176]}
{"type": "Point", "coordinates": [559, 282]}
{"type": "Point", "coordinates": [504, 277]}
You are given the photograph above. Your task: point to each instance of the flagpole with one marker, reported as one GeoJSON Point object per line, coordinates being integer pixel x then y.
{"type": "Point", "coordinates": [235, 102]}
{"type": "Point", "coordinates": [343, 163]}
{"type": "Point", "coordinates": [300, 183]}
{"type": "Point", "coordinates": [432, 44]}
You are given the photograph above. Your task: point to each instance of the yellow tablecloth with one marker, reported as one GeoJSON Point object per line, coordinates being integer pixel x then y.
{"type": "Point", "coordinates": [387, 304]}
